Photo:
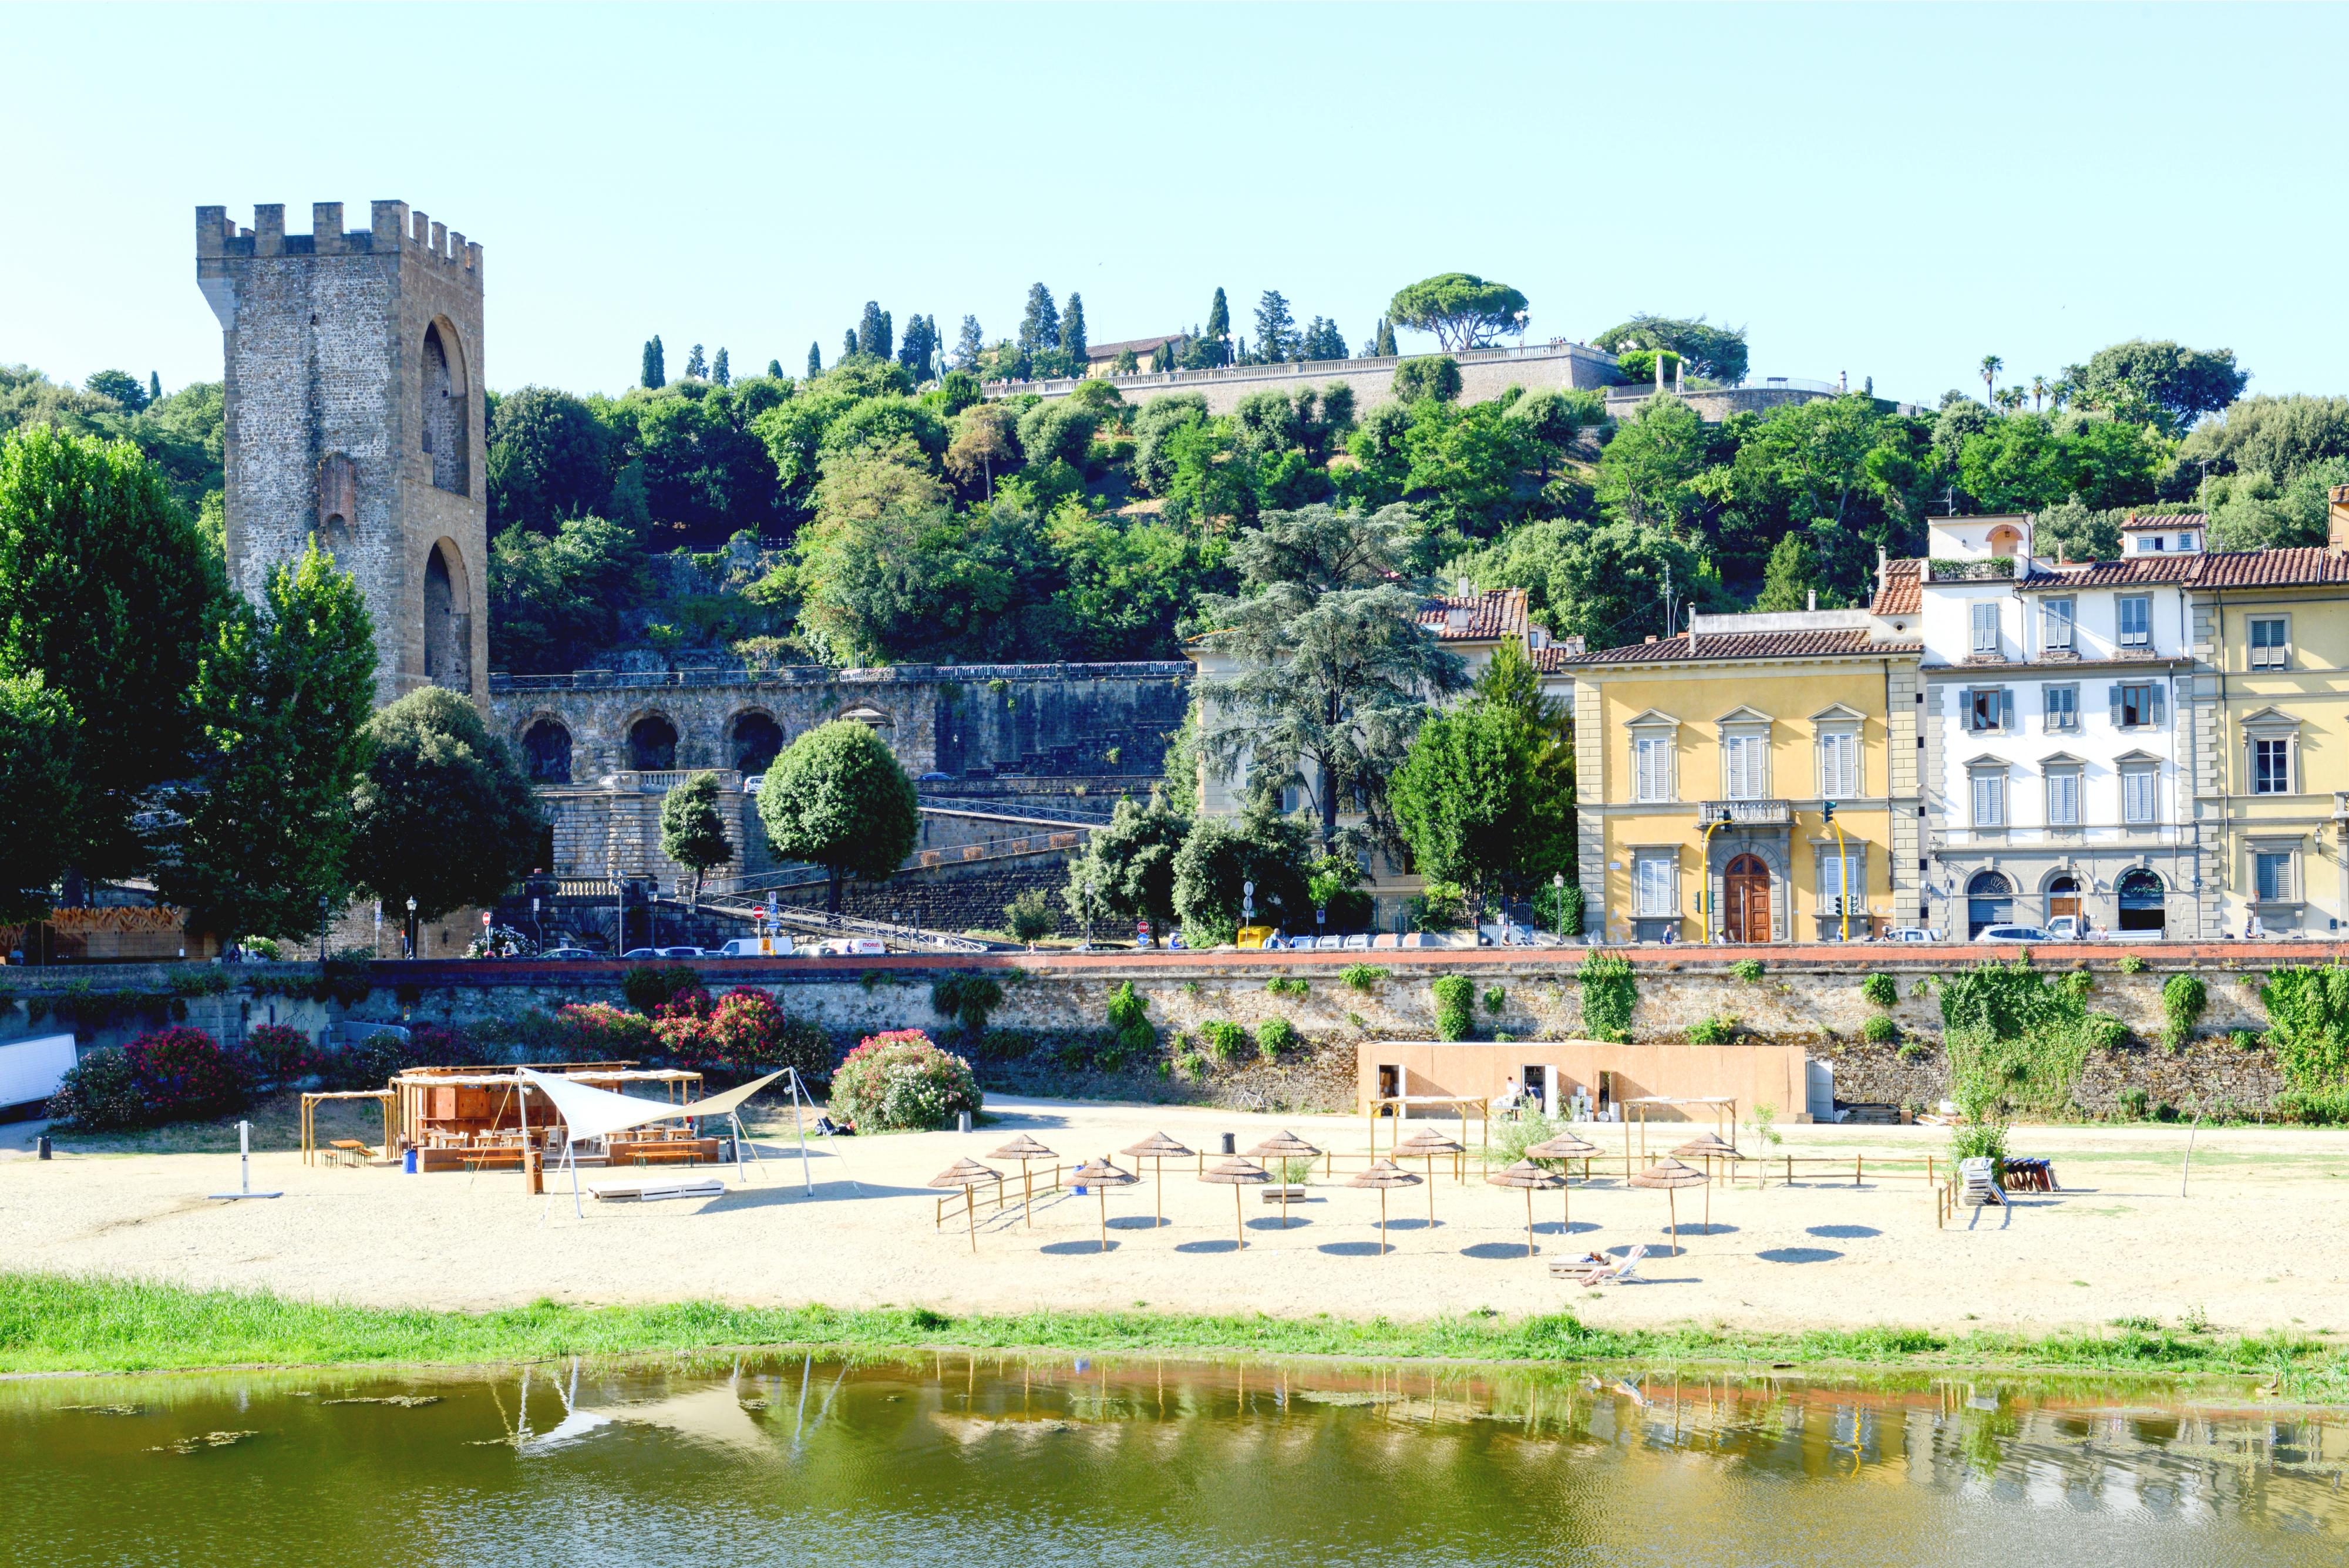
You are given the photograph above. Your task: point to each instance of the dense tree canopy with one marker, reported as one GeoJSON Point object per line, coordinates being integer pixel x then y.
{"type": "Point", "coordinates": [1714, 353]}
{"type": "Point", "coordinates": [1463, 310]}
{"type": "Point", "coordinates": [443, 814]}
{"type": "Point", "coordinates": [837, 798]}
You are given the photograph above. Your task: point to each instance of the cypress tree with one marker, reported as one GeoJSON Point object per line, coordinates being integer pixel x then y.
{"type": "Point", "coordinates": [154, 387]}
{"type": "Point", "coordinates": [654, 375]}
{"type": "Point", "coordinates": [1219, 318]}
{"type": "Point", "coordinates": [815, 361]}
{"type": "Point", "coordinates": [873, 331]}
{"type": "Point", "coordinates": [775, 368]}
{"type": "Point", "coordinates": [1386, 344]}
{"type": "Point", "coordinates": [1039, 330]}
{"type": "Point", "coordinates": [719, 372]}
{"type": "Point", "coordinates": [848, 344]}
{"type": "Point", "coordinates": [696, 367]}
{"type": "Point", "coordinates": [1073, 333]}
{"type": "Point", "coordinates": [967, 344]}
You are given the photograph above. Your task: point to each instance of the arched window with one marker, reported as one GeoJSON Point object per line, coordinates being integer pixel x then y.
{"type": "Point", "coordinates": [444, 425]}
{"type": "Point", "coordinates": [652, 745]}
{"type": "Point", "coordinates": [546, 753]}
{"type": "Point", "coordinates": [2004, 540]}
{"type": "Point", "coordinates": [757, 739]}
{"type": "Point", "coordinates": [1989, 901]}
{"type": "Point", "coordinates": [448, 619]}
{"type": "Point", "coordinates": [2143, 905]}
{"type": "Point", "coordinates": [2063, 895]}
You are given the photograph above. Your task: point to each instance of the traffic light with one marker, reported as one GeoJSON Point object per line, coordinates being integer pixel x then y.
{"type": "Point", "coordinates": [1827, 811]}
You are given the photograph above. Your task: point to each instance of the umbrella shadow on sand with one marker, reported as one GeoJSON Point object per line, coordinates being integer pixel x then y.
{"type": "Point", "coordinates": [1137, 1222]}
{"type": "Point", "coordinates": [1206, 1246]}
{"type": "Point", "coordinates": [1497, 1249]}
{"type": "Point", "coordinates": [1076, 1249]}
{"type": "Point", "coordinates": [1272, 1223]}
{"type": "Point", "coordinates": [1350, 1249]}
{"type": "Point", "coordinates": [1799, 1255]}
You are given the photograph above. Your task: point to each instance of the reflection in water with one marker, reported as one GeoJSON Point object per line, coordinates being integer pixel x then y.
{"type": "Point", "coordinates": [980, 1462]}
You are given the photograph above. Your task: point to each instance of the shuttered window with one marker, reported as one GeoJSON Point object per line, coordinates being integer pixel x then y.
{"type": "Point", "coordinates": [2136, 621]}
{"type": "Point", "coordinates": [1654, 874]}
{"type": "Point", "coordinates": [1652, 767]}
{"type": "Point", "coordinates": [1843, 880]}
{"type": "Point", "coordinates": [1985, 625]}
{"type": "Point", "coordinates": [2139, 798]}
{"type": "Point", "coordinates": [2062, 708]}
{"type": "Point", "coordinates": [2063, 797]}
{"type": "Point", "coordinates": [1745, 766]}
{"type": "Point", "coordinates": [1989, 799]}
{"type": "Point", "coordinates": [1839, 766]}
{"type": "Point", "coordinates": [2057, 623]}
{"type": "Point", "coordinates": [2137, 705]}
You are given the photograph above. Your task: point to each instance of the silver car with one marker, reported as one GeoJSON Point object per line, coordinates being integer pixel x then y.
{"type": "Point", "coordinates": [2012, 934]}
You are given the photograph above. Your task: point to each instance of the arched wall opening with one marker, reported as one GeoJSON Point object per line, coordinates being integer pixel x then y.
{"type": "Point", "coordinates": [448, 619]}
{"type": "Point", "coordinates": [546, 753]}
{"type": "Point", "coordinates": [757, 740]}
{"type": "Point", "coordinates": [652, 745]}
{"type": "Point", "coordinates": [446, 428]}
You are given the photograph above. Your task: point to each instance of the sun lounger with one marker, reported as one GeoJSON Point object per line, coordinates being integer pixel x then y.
{"type": "Point", "coordinates": [1979, 1181]}
{"type": "Point", "coordinates": [652, 1189]}
{"type": "Point", "coordinates": [2030, 1176]}
{"type": "Point", "coordinates": [1596, 1269]}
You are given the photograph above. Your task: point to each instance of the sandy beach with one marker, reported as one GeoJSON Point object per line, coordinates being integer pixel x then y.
{"type": "Point", "coordinates": [2256, 1245]}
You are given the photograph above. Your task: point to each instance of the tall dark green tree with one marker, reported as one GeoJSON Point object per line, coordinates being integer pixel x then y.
{"type": "Point", "coordinates": [1040, 327]}
{"type": "Point", "coordinates": [816, 362]}
{"type": "Point", "coordinates": [873, 331]}
{"type": "Point", "coordinates": [720, 372]}
{"type": "Point", "coordinates": [775, 369]}
{"type": "Point", "coordinates": [108, 594]}
{"type": "Point", "coordinates": [697, 368]}
{"type": "Point", "coordinates": [920, 345]}
{"type": "Point", "coordinates": [1485, 797]}
{"type": "Point", "coordinates": [283, 695]}
{"type": "Point", "coordinates": [848, 349]}
{"type": "Point", "coordinates": [1275, 328]}
{"type": "Point", "coordinates": [1385, 346]}
{"type": "Point", "coordinates": [1463, 310]}
{"type": "Point", "coordinates": [836, 797]}
{"type": "Point", "coordinates": [693, 834]}
{"type": "Point", "coordinates": [37, 785]}
{"type": "Point", "coordinates": [654, 375]}
{"type": "Point", "coordinates": [550, 458]}
{"type": "Point", "coordinates": [1219, 317]}
{"type": "Point", "coordinates": [154, 388]}
{"type": "Point", "coordinates": [967, 344]}
{"type": "Point", "coordinates": [119, 386]}
{"type": "Point", "coordinates": [1328, 671]}
{"type": "Point", "coordinates": [443, 814]}
{"type": "Point", "coordinates": [1127, 870]}
{"type": "Point", "coordinates": [1716, 353]}
{"type": "Point", "coordinates": [1072, 334]}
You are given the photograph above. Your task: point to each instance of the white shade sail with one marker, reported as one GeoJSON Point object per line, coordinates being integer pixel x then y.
{"type": "Point", "coordinates": [589, 1113]}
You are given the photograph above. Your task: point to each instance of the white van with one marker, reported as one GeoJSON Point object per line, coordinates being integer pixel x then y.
{"type": "Point", "coordinates": [777, 946]}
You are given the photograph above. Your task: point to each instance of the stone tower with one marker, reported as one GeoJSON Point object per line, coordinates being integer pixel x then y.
{"type": "Point", "coordinates": [354, 414]}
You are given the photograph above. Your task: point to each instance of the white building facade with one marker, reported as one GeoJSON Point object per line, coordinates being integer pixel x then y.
{"type": "Point", "coordinates": [2058, 733]}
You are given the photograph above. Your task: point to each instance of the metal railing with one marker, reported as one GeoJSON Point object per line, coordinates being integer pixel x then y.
{"type": "Point", "coordinates": [1747, 813]}
{"type": "Point", "coordinates": [821, 675]}
{"type": "Point", "coordinates": [1289, 369]}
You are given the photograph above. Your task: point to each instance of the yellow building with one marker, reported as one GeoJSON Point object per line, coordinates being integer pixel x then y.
{"type": "Point", "coordinates": [1704, 763]}
{"type": "Point", "coordinates": [2271, 630]}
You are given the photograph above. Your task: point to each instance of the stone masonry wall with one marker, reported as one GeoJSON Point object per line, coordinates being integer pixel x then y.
{"type": "Point", "coordinates": [1818, 1006]}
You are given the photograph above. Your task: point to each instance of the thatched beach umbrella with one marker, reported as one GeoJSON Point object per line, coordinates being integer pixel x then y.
{"type": "Point", "coordinates": [967, 1174]}
{"type": "Point", "coordinates": [1426, 1144]}
{"type": "Point", "coordinates": [1382, 1174]}
{"type": "Point", "coordinates": [1565, 1146]}
{"type": "Point", "coordinates": [1284, 1145]}
{"type": "Point", "coordinates": [1158, 1148]}
{"type": "Point", "coordinates": [1532, 1178]}
{"type": "Point", "coordinates": [1708, 1149]}
{"type": "Point", "coordinates": [1024, 1148]}
{"type": "Point", "coordinates": [1236, 1174]}
{"type": "Point", "coordinates": [1101, 1176]}
{"type": "Point", "coordinates": [1672, 1175]}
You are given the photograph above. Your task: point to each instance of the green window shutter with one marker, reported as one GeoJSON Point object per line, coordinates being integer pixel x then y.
{"type": "Point", "coordinates": [2112, 695]}
{"type": "Point", "coordinates": [2005, 711]}
{"type": "Point", "coordinates": [1965, 708]}
{"type": "Point", "coordinates": [2159, 709]}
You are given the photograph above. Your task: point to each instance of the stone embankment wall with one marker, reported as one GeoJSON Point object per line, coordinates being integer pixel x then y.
{"type": "Point", "coordinates": [1055, 1007]}
{"type": "Point", "coordinates": [1485, 374]}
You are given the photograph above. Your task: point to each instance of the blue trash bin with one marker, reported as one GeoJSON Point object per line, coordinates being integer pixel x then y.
{"type": "Point", "coordinates": [407, 1163]}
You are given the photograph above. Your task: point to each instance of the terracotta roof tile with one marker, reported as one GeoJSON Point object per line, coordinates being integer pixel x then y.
{"type": "Point", "coordinates": [1904, 592]}
{"type": "Point", "coordinates": [1745, 645]}
{"type": "Point", "coordinates": [2135, 522]}
{"type": "Point", "coordinates": [2303, 567]}
{"type": "Point", "coordinates": [1551, 658]}
{"type": "Point", "coordinates": [1493, 614]}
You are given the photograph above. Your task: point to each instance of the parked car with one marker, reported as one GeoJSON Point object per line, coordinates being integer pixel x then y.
{"type": "Point", "coordinates": [679, 952]}
{"type": "Point", "coordinates": [2013, 934]}
{"type": "Point", "coordinates": [569, 953]}
{"type": "Point", "coordinates": [2074, 928]}
{"type": "Point", "coordinates": [1360, 942]}
{"type": "Point", "coordinates": [1912, 934]}
{"type": "Point", "coordinates": [933, 777]}
{"type": "Point", "coordinates": [778, 946]}
{"type": "Point", "coordinates": [640, 955]}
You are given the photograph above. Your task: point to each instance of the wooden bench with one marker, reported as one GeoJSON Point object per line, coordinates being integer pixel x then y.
{"type": "Point", "coordinates": [349, 1151]}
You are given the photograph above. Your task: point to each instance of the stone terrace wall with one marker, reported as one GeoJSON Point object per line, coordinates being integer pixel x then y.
{"type": "Point", "coordinates": [1815, 1002]}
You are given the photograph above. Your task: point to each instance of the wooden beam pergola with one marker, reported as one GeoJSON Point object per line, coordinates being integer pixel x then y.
{"type": "Point", "coordinates": [310, 1102]}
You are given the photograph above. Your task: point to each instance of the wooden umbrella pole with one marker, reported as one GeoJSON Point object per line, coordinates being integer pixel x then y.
{"type": "Point", "coordinates": [1530, 1222]}
{"type": "Point", "coordinates": [970, 1212]}
{"type": "Point", "coordinates": [1673, 1208]}
{"type": "Point", "coordinates": [1158, 1192]}
{"type": "Point", "coordinates": [1027, 1202]}
{"type": "Point", "coordinates": [1101, 1190]}
{"type": "Point", "coordinates": [1431, 1192]}
{"type": "Point", "coordinates": [1239, 1229]}
{"type": "Point", "coordinates": [1383, 1221]}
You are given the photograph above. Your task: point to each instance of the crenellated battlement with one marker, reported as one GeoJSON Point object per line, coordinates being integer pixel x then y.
{"type": "Point", "coordinates": [392, 228]}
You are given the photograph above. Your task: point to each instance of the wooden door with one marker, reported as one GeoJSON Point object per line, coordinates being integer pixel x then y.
{"type": "Point", "coordinates": [1745, 900]}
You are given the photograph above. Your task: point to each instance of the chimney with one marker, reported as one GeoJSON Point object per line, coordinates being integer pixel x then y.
{"type": "Point", "coordinates": [2336, 513]}
{"type": "Point", "coordinates": [1692, 631]}
{"type": "Point", "coordinates": [1660, 372]}
{"type": "Point", "coordinates": [1814, 603]}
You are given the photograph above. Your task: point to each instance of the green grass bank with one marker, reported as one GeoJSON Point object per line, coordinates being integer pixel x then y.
{"type": "Point", "coordinates": [52, 1322]}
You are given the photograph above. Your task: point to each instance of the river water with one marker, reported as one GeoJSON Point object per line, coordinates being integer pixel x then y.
{"type": "Point", "coordinates": [1009, 1463]}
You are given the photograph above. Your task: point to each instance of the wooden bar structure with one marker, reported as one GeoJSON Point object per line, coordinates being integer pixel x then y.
{"type": "Point", "coordinates": [1399, 1106]}
{"type": "Point", "coordinates": [310, 1103]}
{"type": "Point", "coordinates": [477, 1118]}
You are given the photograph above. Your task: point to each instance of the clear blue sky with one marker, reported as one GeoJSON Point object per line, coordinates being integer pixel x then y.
{"type": "Point", "coordinates": [1891, 192]}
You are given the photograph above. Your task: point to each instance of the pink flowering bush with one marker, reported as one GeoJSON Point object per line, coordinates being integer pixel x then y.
{"type": "Point", "coordinates": [282, 1054]}
{"type": "Point", "coordinates": [742, 1032]}
{"type": "Point", "coordinates": [172, 1074]}
{"type": "Point", "coordinates": [900, 1080]}
{"type": "Point", "coordinates": [598, 1032]}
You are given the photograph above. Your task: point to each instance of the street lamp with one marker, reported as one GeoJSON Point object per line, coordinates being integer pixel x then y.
{"type": "Point", "coordinates": [324, 906]}
{"type": "Point", "coordinates": [411, 926]}
{"type": "Point", "coordinates": [1558, 890]}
